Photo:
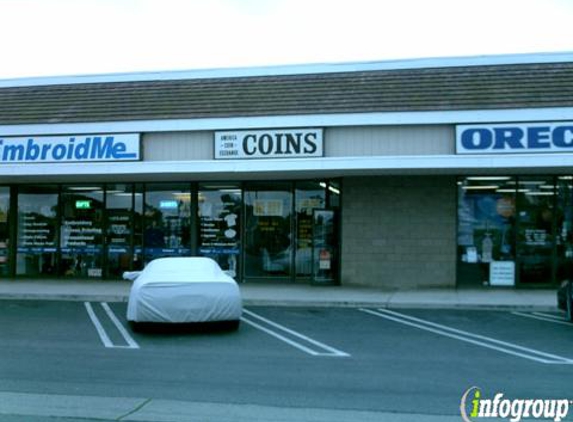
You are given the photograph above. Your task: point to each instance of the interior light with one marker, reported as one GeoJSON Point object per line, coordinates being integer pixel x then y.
{"type": "Point", "coordinates": [483, 187]}
{"type": "Point", "coordinates": [488, 178]}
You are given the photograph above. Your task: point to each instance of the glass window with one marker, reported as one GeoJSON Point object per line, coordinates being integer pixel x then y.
{"type": "Point", "coordinates": [308, 197]}
{"type": "Point", "coordinates": [167, 221]}
{"type": "Point", "coordinates": [220, 224]}
{"type": "Point", "coordinates": [564, 228]}
{"type": "Point", "coordinates": [537, 215]}
{"type": "Point", "coordinates": [4, 229]}
{"type": "Point", "coordinates": [268, 242]}
{"type": "Point", "coordinates": [119, 207]}
{"type": "Point", "coordinates": [486, 230]}
{"type": "Point", "coordinates": [37, 230]}
{"type": "Point", "coordinates": [81, 231]}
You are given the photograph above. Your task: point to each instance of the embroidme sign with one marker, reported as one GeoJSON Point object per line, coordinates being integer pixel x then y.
{"type": "Point", "coordinates": [60, 149]}
{"type": "Point", "coordinates": [532, 138]}
{"type": "Point", "coordinates": [285, 143]}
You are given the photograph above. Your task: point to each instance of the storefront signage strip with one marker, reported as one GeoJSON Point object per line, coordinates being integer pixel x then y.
{"type": "Point", "coordinates": [281, 143]}
{"type": "Point", "coordinates": [66, 149]}
{"type": "Point", "coordinates": [532, 138]}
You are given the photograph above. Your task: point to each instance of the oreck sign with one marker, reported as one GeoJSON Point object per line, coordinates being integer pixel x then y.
{"type": "Point", "coordinates": [65, 149]}
{"type": "Point", "coordinates": [286, 143]}
{"type": "Point", "coordinates": [532, 138]}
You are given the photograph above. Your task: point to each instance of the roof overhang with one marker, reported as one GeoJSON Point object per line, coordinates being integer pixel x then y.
{"type": "Point", "coordinates": [287, 169]}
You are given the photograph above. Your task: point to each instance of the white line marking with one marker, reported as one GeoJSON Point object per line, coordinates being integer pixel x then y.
{"type": "Point", "coordinates": [468, 337]}
{"type": "Point", "coordinates": [129, 340]}
{"type": "Point", "coordinates": [100, 330]}
{"type": "Point", "coordinates": [539, 317]}
{"type": "Point", "coordinates": [331, 350]}
{"type": "Point", "coordinates": [556, 317]}
{"type": "Point", "coordinates": [276, 335]}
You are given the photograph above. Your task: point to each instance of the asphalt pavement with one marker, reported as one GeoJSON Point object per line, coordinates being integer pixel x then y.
{"type": "Point", "coordinates": [69, 361]}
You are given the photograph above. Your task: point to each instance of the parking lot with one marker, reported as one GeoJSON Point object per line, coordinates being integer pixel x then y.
{"type": "Point", "coordinates": [343, 359]}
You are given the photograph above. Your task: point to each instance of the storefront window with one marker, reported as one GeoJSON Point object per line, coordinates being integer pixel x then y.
{"type": "Point", "coordinates": [220, 224]}
{"type": "Point", "coordinates": [4, 229]}
{"type": "Point", "coordinates": [119, 209]}
{"type": "Point", "coordinates": [81, 231]}
{"type": "Point", "coordinates": [308, 197]}
{"type": "Point", "coordinates": [564, 227]}
{"type": "Point", "coordinates": [167, 226]}
{"type": "Point", "coordinates": [268, 240]}
{"type": "Point", "coordinates": [486, 230]}
{"type": "Point", "coordinates": [536, 205]}
{"type": "Point", "coordinates": [37, 230]}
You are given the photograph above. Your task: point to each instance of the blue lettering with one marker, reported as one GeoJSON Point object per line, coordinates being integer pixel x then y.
{"type": "Point", "coordinates": [563, 137]}
{"type": "Point", "coordinates": [13, 153]}
{"type": "Point", "coordinates": [71, 149]}
{"type": "Point", "coordinates": [477, 139]}
{"type": "Point", "coordinates": [59, 152]}
{"type": "Point", "coordinates": [32, 150]}
{"type": "Point", "coordinates": [118, 151]}
{"type": "Point", "coordinates": [82, 151]}
{"type": "Point", "coordinates": [509, 136]}
{"type": "Point", "coordinates": [539, 137]}
{"type": "Point", "coordinates": [100, 151]}
{"type": "Point", "coordinates": [45, 150]}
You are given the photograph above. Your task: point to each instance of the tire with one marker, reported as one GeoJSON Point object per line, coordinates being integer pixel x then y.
{"type": "Point", "coordinates": [233, 325]}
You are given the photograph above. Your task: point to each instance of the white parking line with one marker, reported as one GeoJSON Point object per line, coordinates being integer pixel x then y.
{"type": "Point", "coordinates": [556, 317]}
{"type": "Point", "coordinates": [128, 339]}
{"type": "Point", "coordinates": [543, 317]}
{"type": "Point", "coordinates": [131, 343]}
{"type": "Point", "coordinates": [476, 339]}
{"type": "Point", "coordinates": [323, 349]}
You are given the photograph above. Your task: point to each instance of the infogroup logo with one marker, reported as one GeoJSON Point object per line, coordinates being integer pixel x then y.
{"type": "Point", "coordinates": [474, 407]}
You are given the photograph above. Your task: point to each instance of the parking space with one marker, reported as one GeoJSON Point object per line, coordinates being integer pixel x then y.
{"type": "Point", "coordinates": [541, 337]}
{"type": "Point", "coordinates": [368, 359]}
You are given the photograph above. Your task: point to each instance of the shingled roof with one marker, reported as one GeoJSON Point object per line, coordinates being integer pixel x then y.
{"type": "Point", "coordinates": [399, 90]}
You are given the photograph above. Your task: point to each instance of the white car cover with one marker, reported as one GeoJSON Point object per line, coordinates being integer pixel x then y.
{"type": "Point", "coordinates": [183, 290]}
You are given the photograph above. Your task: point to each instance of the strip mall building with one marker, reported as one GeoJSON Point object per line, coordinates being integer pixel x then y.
{"type": "Point", "coordinates": [449, 172]}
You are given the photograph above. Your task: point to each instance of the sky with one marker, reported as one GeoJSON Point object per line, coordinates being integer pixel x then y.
{"type": "Point", "coordinates": [78, 37]}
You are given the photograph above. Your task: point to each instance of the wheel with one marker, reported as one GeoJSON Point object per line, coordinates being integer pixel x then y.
{"type": "Point", "coordinates": [232, 325]}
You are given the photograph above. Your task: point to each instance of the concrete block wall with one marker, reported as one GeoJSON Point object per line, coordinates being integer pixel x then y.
{"type": "Point", "coordinates": [399, 232]}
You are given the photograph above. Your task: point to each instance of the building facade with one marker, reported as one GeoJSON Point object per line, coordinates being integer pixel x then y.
{"type": "Point", "coordinates": [427, 173]}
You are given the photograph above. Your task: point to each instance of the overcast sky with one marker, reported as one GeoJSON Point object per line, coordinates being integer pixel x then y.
{"type": "Point", "coordinates": [63, 37]}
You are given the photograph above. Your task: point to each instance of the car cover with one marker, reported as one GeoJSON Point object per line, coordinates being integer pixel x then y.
{"type": "Point", "coordinates": [182, 290]}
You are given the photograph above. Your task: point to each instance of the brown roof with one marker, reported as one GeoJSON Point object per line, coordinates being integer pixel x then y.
{"type": "Point", "coordinates": [403, 90]}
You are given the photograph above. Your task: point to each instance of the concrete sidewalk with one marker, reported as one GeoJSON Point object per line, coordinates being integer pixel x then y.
{"type": "Point", "coordinates": [300, 295]}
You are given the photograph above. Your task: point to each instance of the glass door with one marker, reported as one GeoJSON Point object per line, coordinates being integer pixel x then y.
{"type": "Point", "coordinates": [119, 210]}
{"type": "Point", "coordinates": [268, 240]}
{"type": "Point", "coordinates": [81, 231]}
{"type": "Point", "coordinates": [219, 212]}
{"type": "Point", "coordinates": [536, 229]}
{"type": "Point", "coordinates": [167, 221]}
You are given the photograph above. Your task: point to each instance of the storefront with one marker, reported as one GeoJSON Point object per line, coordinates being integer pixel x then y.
{"type": "Point", "coordinates": [394, 175]}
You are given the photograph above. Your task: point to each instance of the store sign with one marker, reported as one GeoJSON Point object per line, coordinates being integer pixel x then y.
{"type": "Point", "coordinates": [83, 204]}
{"type": "Point", "coordinates": [532, 138]}
{"type": "Point", "coordinates": [65, 149]}
{"type": "Point", "coordinates": [285, 143]}
{"type": "Point", "coordinates": [502, 273]}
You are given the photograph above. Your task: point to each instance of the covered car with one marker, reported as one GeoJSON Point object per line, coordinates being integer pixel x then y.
{"type": "Point", "coordinates": [183, 290]}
